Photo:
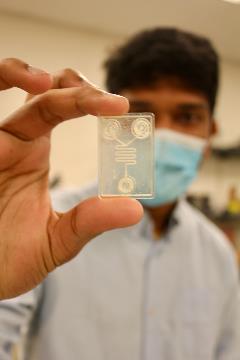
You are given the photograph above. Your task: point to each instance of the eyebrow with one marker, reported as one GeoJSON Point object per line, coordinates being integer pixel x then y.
{"type": "Point", "coordinates": [139, 102]}
{"type": "Point", "coordinates": [191, 106]}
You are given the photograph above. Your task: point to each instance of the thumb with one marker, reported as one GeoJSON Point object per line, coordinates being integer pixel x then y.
{"type": "Point", "coordinates": [89, 219]}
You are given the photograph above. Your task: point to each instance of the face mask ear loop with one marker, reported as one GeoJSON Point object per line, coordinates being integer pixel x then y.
{"type": "Point", "coordinates": [207, 146]}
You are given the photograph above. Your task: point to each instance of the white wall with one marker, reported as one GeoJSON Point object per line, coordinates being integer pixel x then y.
{"type": "Point", "coordinates": [54, 47]}
{"type": "Point", "coordinates": [74, 143]}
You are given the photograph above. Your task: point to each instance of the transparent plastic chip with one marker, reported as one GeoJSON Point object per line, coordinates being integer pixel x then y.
{"type": "Point", "coordinates": [126, 155]}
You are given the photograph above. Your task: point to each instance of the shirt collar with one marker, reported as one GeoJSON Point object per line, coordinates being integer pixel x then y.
{"type": "Point", "coordinates": [145, 227]}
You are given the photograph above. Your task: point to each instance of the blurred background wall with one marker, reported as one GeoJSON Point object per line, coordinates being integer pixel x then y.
{"type": "Point", "coordinates": [54, 45]}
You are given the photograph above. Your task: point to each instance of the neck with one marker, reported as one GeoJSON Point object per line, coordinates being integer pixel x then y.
{"type": "Point", "coordinates": [160, 216]}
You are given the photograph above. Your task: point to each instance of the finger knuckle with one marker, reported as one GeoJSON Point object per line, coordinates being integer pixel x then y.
{"type": "Point", "coordinates": [45, 113]}
{"type": "Point", "coordinates": [12, 62]}
{"type": "Point", "coordinates": [68, 72]}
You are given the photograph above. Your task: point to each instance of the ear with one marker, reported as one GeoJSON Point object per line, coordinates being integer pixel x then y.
{"type": "Point", "coordinates": [212, 132]}
{"type": "Point", "coordinates": [213, 128]}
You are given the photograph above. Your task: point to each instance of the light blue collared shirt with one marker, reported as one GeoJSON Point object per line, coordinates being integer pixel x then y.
{"type": "Point", "coordinates": [129, 297]}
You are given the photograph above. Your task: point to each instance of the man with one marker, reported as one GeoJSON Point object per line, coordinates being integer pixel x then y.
{"type": "Point", "coordinates": [166, 288]}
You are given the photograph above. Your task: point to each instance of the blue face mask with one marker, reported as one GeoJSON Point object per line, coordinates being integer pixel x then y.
{"type": "Point", "coordinates": [177, 158]}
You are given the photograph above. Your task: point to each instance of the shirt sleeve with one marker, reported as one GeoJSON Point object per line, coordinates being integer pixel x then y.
{"type": "Point", "coordinates": [228, 347]}
{"type": "Point", "coordinates": [15, 318]}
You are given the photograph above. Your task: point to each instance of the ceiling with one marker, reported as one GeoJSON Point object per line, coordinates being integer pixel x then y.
{"type": "Point", "coordinates": [217, 19]}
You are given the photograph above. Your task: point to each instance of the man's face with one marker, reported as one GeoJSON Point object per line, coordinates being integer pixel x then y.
{"type": "Point", "coordinates": [174, 107]}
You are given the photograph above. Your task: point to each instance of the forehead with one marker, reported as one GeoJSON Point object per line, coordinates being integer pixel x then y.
{"type": "Point", "coordinates": [165, 95]}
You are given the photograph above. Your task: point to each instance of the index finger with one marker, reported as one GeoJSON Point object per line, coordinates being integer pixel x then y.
{"type": "Point", "coordinates": [41, 114]}
{"type": "Point", "coordinates": [15, 72]}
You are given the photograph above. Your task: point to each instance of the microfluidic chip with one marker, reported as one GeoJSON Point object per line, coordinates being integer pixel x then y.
{"type": "Point", "coordinates": [126, 155]}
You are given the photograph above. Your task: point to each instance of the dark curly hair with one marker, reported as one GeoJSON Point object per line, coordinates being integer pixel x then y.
{"type": "Point", "coordinates": [162, 53]}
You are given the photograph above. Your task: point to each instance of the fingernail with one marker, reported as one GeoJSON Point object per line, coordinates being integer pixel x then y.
{"type": "Point", "coordinates": [35, 71]}
{"type": "Point", "coordinates": [107, 93]}
{"type": "Point", "coordinates": [120, 96]}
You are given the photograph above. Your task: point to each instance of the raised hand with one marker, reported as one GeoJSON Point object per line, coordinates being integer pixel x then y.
{"type": "Point", "coordinates": [34, 238]}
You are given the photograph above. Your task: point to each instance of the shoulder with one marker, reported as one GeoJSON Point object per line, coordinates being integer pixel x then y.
{"type": "Point", "coordinates": [211, 240]}
{"type": "Point", "coordinates": [66, 198]}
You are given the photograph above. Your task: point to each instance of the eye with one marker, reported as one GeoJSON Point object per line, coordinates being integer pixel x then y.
{"type": "Point", "coordinates": [187, 118]}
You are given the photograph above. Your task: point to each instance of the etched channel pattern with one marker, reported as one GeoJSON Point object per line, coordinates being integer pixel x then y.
{"type": "Point", "coordinates": [125, 154]}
